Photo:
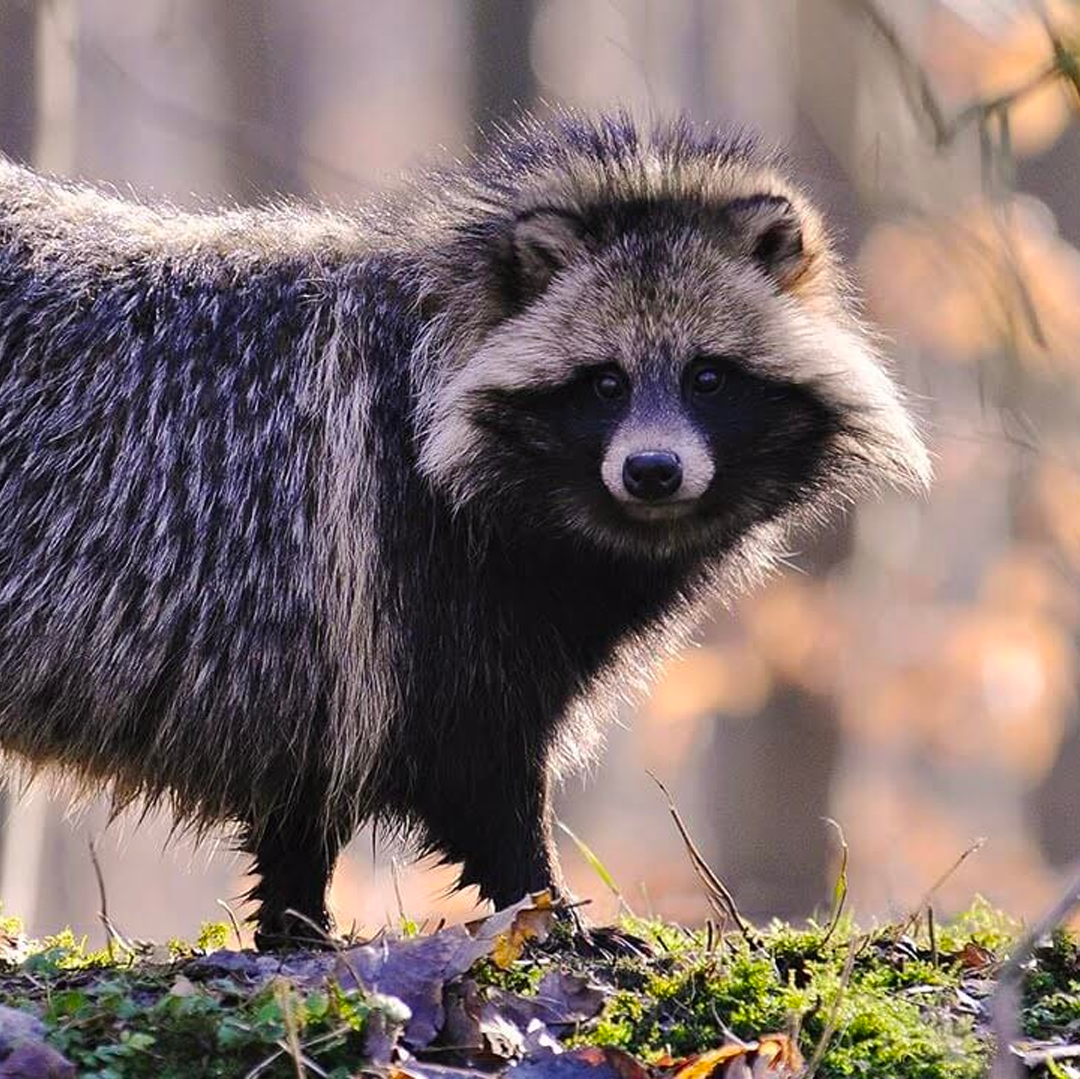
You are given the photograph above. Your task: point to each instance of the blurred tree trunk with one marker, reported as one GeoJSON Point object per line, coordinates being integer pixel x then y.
{"type": "Point", "coordinates": [504, 83]}
{"type": "Point", "coordinates": [18, 41]}
{"type": "Point", "coordinates": [774, 773]}
{"type": "Point", "coordinates": [1054, 803]}
{"type": "Point", "coordinates": [262, 77]}
{"type": "Point", "coordinates": [29, 53]}
{"type": "Point", "coordinates": [770, 780]}
{"type": "Point", "coordinates": [17, 49]}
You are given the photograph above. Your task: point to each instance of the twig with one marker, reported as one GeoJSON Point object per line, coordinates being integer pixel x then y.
{"type": "Point", "coordinates": [320, 933]}
{"type": "Point", "coordinates": [259, 1068]}
{"type": "Point", "coordinates": [647, 900]}
{"type": "Point", "coordinates": [720, 898]}
{"type": "Point", "coordinates": [311, 1043]}
{"type": "Point", "coordinates": [111, 933]}
{"type": "Point", "coordinates": [833, 1021]}
{"type": "Point", "coordinates": [915, 83]}
{"type": "Point", "coordinates": [1005, 1003]}
{"type": "Point", "coordinates": [908, 925]}
{"type": "Point", "coordinates": [317, 1069]}
{"type": "Point", "coordinates": [923, 100]}
{"type": "Point", "coordinates": [103, 902]}
{"type": "Point", "coordinates": [335, 945]}
{"type": "Point", "coordinates": [235, 924]}
{"type": "Point", "coordinates": [292, 1034]}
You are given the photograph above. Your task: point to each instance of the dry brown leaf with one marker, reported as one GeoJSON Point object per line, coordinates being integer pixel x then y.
{"type": "Point", "coordinates": [705, 1064]}
{"type": "Point", "coordinates": [975, 957]}
{"type": "Point", "coordinates": [509, 930]}
{"type": "Point", "coordinates": [591, 1062]}
{"type": "Point", "coordinates": [774, 1056]}
{"type": "Point", "coordinates": [780, 1056]}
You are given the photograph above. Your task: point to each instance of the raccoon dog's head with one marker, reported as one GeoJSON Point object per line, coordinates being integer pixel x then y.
{"type": "Point", "coordinates": [660, 356]}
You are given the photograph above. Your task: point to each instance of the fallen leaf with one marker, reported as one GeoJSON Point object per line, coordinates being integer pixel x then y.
{"type": "Point", "coordinates": [415, 971]}
{"type": "Point", "coordinates": [780, 1056]}
{"type": "Point", "coordinates": [589, 1063]}
{"type": "Point", "coordinates": [540, 1041]}
{"type": "Point", "coordinates": [704, 1064]}
{"type": "Point", "coordinates": [422, 1069]}
{"type": "Point", "coordinates": [562, 1000]}
{"type": "Point", "coordinates": [774, 1056]}
{"type": "Point", "coordinates": [508, 931]}
{"type": "Point", "coordinates": [484, 1036]}
{"type": "Point", "coordinates": [383, 1028]}
{"type": "Point", "coordinates": [975, 957]}
{"type": "Point", "coordinates": [36, 1060]}
{"type": "Point", "coordinates": [17, 1027]}
{"type": "Point", "coordinates": [1038, 1054]}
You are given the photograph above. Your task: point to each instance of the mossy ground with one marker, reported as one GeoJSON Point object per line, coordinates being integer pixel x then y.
{"type": "Point", "coordinates": [894, 1009]}
{"type": "Point", "coordinates": [142, 1017]}
{"type": "Point", "coordinates": [897, 1005]}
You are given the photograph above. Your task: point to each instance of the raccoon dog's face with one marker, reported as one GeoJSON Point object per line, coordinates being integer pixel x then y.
{"type": "Point", "coordinates": [669, 377]}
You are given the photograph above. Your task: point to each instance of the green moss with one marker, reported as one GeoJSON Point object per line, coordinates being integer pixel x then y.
{"type": "Point", "coordinates": [795, 978]}
{"type": "Point", "coordinates": [882, 1032]}
{"type": "Point", "coordinates": [63, 952]}
{"type": "Point", "coordinates": [520, 977]}
{"type": "Point", "coordinates": [1052, 988]}
{"type": "Point", "coordinates": [981, 924]}
{"type": "Point", "coordinates": [135, 1019]}
{"type": "Point", "coordinates": [212, 936]}
{"type": "Point", "coordinates": [665, 937]}
{"type": "Point", "coordinates": [1054, 1012]}
{"type": "Point", "coordinates": [128, 1029]}
{"type": "Point", "coordinates": [685, 1011]}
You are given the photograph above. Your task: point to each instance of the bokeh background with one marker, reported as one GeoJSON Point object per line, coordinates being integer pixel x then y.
{"type": "Point", "coordinates": [913, 675]}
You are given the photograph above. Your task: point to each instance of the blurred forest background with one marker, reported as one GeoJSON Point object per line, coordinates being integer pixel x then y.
{"type": "Point", "coordinates": [914, 676]}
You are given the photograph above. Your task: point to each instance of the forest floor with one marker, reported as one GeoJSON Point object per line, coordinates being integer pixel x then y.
{"type": "Point", "coordinates": [518, 994]}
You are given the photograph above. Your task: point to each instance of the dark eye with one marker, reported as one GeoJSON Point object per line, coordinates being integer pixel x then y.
{"type": "Point", "coordinates": [706, 379]}
{"type": "Point", "coordinates": [609, 385]}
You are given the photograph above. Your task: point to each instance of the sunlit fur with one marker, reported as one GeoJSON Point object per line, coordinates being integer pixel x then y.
{"type": "Point", "coordinates": [288, 537]}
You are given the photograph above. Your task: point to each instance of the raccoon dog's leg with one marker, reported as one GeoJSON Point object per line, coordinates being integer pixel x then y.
{"type": "Point", "coordinates": [497, 824]}
{"type": "Point", "coordinates": [294, 856]}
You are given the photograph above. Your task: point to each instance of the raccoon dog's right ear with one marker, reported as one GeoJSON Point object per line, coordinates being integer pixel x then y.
{"type": "Point", "coordinates": [545, 241]}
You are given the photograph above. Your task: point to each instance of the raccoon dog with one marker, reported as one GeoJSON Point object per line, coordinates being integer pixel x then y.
{"type": "Point", "coordinates": [309, 518]}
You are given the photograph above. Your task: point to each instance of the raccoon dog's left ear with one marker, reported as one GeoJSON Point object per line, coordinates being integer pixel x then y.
{"type": "Point", "coordinates": [545, 241]}
{"type": "Point", "coordinates": [767, 229]}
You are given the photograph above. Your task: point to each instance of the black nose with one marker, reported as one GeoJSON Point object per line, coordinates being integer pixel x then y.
{"type": "Point", "coordinates": [652, 475]}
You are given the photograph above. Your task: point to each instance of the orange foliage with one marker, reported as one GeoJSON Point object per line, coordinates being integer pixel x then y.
{"type": "Point", "coordinates": [989, 685]}
{"type": "Point", "coordinates": [979, 281]}
{"type": "Point", "coordinates": [967, 62]}
{"type": "Point", "coordinates": [1023, 579]}
{"type": "Point", "coordinates": [731, 678]}
{"type": "Point", "coordinates": [1008, 679]}
{"type": "Point", "coordinates": [796, 626]}
{"type": "Point", "coordinates": [1057, 496]}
